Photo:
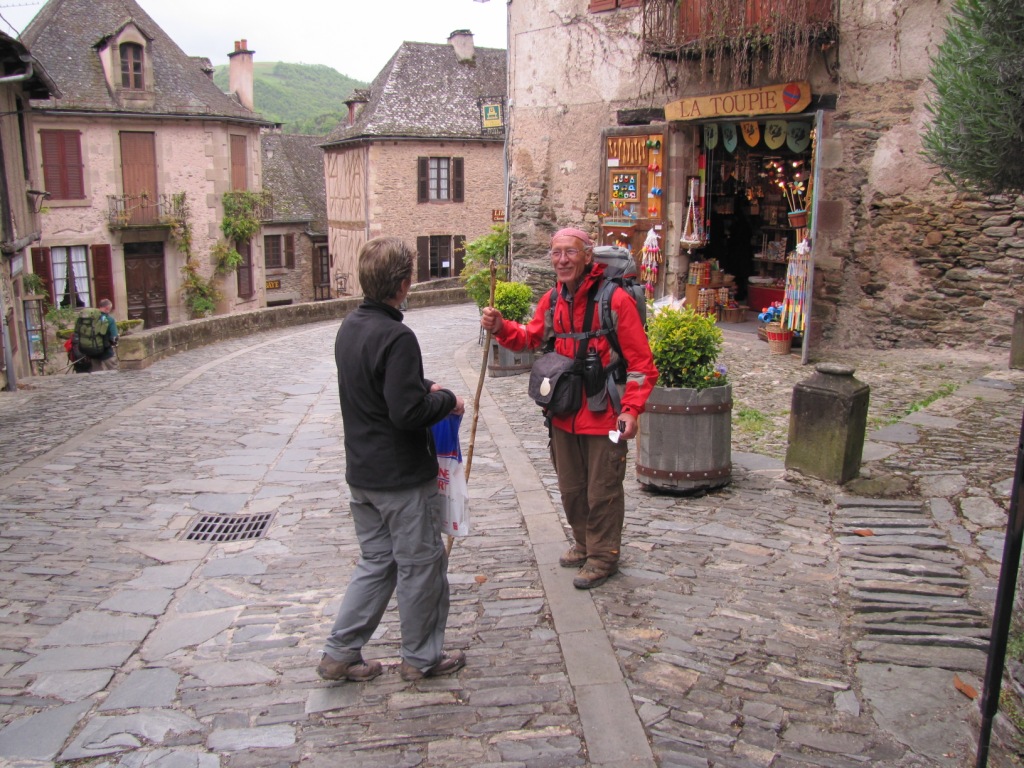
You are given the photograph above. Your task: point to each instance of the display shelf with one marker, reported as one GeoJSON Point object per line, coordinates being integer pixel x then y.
{"type": "Point", "coordinates": [760, 296]}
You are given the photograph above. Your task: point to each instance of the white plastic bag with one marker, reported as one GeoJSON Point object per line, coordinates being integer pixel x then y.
{"type": "Point", "coordinates": [451, 477]}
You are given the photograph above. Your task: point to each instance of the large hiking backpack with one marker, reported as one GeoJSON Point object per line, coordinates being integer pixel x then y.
{"type": "Point", "coordinates": [619, 272]}
{"type": "Point", "coordinates": [91, 333]}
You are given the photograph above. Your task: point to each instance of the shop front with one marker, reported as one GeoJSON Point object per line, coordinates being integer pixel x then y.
{"type": "Point", "coordinates": [739, 200]}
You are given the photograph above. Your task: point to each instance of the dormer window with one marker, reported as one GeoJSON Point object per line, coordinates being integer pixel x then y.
{"type": "Point", "coordinates": [131, 67]}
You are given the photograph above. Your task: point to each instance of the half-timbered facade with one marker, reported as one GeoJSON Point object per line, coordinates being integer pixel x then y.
{"type": "Point", "coordinates": [139, 150]}
{"type": "Point", "coordinates": [421, 157]}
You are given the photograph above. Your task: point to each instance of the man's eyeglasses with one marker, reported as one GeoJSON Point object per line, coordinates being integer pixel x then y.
{"type": "Point", "coordinates": [572, 253]}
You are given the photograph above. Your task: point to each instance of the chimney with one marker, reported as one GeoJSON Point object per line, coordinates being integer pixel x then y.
{"type": "Point", "coordinates": [355, 103]}
{"type": "Point", "coordinates": [462, 41]}
{"type": "Point", "coordinates": [240, 74]}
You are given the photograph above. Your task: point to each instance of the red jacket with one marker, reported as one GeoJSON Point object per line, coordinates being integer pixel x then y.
{"type": "Point", "coordinates": [640, 370]}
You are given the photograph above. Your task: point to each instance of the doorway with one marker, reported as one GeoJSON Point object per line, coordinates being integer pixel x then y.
{"type": "Point", "coordinates": [146, 286]}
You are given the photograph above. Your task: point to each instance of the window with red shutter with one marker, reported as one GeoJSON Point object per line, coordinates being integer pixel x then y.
{"type": "Point", "coordinates": [131, 67]}
{"type": "Point", "coordinates": [458, 180]}
{"type": "Point", "coordinates": [102, 272]}
{"type": "Point", "coordinates": [244, 271]}
{"type": "Point", "coordinates": [62, 164]}
{"type": "Point", "coordinates": [596, 6]}
{"type": "Point", "coordinates": [289, 251]}
{"type": "Point", "coordinates": [272, 251]}
{"type": "Point", "coordinates": [239, 166]}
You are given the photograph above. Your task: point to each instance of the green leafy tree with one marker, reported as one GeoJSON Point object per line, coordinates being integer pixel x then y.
{"type": "Point", "coordinates": [977, 130]}
{"type": "Point", "coordinates": [476, 270]}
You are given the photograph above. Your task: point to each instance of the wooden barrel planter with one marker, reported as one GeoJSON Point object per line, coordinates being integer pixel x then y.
{"type": "Point", "coordinates": [685, 440]}
{"type": "Point", "coordinates": [505, 362]}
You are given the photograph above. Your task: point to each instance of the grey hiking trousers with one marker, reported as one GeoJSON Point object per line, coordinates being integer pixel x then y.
{"type": "Point", "coordinates": [400, 543]}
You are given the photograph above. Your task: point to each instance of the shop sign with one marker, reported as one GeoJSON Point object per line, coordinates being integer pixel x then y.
{"type": "Point", "coordinates": [492, 115]}
{"type": "Point", "coordinates": [780, 99]}
{"type": "Point", "coordinates": [273, 285]}
{"type": "Point", "coordinates": [497, 214]}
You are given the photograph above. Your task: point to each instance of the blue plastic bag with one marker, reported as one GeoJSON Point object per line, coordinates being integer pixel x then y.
{"type": "Point", "coordinates": [451, 477]}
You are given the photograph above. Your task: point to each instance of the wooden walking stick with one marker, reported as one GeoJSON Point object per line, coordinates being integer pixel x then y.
{"type": "Point", "coordinates": [479, 390]}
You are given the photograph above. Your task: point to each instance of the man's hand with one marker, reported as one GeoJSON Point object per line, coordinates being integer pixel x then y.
{"type": "Point", "coordinates": [627, 425]}
{"type": "Point", "coordinates": [491, 320]}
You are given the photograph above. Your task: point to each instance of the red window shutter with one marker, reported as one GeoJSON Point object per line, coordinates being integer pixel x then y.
{"type": "Point", "coordinates": [460, 252]}
{"type": "Point", "coordinates": [422, 259]}
{"type": "Point", "coordinates": [41, 267]}
{"type": "Point", "coordinates": [62, 164]}
{"type": "Point", "coordinates": [458, 180]}
{"type": "Point", "coordinates": [102, 272]}
{"type": "Point", "coordinates": [239, 177]}
{"type": "Point", "coordinates": [596, 6]}
{"type": "Point", "coordinates": [289, 251]}
{"type": "Point", "coordinates": [630, 3]}
{"type": "Point", "coordinates": [422, 179]}
{"type": "Point", "coordinates": [244, 271]}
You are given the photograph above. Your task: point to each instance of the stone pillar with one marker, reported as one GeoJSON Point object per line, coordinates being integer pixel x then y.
{"type": "Point", "coordinates": [827, 423]}
{"type": "Point", "coordinates": [1017, 340]}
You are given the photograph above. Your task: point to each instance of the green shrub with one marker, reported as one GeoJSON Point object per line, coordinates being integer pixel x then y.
{"type": "Point", "coordinates": [476, 272]}
{"type": "Point", "coordinates": [686, 346]}
{"type": "Point", "coordinates": [513, 300]}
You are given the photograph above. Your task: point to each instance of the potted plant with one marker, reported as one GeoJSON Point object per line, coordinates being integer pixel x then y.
{"type": "Point", "coordinates": [514, 301]}
{"type": "Point", "coordinates": [685, 436]}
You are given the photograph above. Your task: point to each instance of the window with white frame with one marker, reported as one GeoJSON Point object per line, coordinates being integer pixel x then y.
{"type": "Point", "coordinates": [70, 271]}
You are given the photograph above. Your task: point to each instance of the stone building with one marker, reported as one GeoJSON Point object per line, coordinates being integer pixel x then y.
{"type": "Point", "coordinates": [140, 145]}
{"type": "Point", "coordinates": [623, 108]}
{"type": "Point", "coordinates": [20, 198]}
{"type": "Point", "coordinates": [295, 254]}
{"type": "Point", "coordinates": [421, 157]}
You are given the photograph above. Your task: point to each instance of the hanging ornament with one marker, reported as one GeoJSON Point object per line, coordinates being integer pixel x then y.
{"type": "Point", "coordinates": [751, 133]}
{"type": "Point", "coordinates": [798, 136]}
{"type": "Point", "coordinates": [693, 226]}
{"type": "Point", "coordinates": [729, 138]}
{"type": "Point", "coordinates": [711, 135]}
{"type": "Point", "coordinates": [649, 263]}
{"type": "Point", "coordinates": [775, 133]}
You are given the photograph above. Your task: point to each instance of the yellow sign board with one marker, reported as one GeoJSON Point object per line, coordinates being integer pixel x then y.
{"type": "Point", "coordinates": [780, 99]}
{"type": "Point", "coordinates": [273, 285]}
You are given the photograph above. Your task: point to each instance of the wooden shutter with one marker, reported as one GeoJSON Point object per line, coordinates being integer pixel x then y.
{"type": "Point", "coordinates": [422, 259]}
{"type": "Point", "coordinates": [289, 251]}
{"type": "Point", "coordinates": [602, 5]}
{"type": "Point", "coordinates": [102, 272]}
{"type": "Point", "coordinates": [458, 255]}
{"type": "Point", "coordinates": [239, 166]}
{"type": "Point", "coordinates": [422, 179]}
{"type": "Point", "coordinates": [62, 164]}
{"type": "Point", "coordinates": [630, 3]}
{"type": "Point", "coordinates": [244, 271]}
{"type": "Point", "coordinates": [138, 175]}
{"type": "Point", "coordinates": [41, 266]}
{"type": "Point", "coordinates": [458, 180]}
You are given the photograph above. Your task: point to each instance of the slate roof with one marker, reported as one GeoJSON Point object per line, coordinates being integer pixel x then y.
{"type": "Point", "coordinates": [293, 172]}
{"type": "Point", "coordinates": [65, 37]}
{"type": "Point", "coordinates": [424, 91]}
{"type": "Point", "coordinates": [15, 59]}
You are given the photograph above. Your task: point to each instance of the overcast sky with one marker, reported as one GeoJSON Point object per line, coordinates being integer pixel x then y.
{"type": "Point", "coordinates": [354, 37]}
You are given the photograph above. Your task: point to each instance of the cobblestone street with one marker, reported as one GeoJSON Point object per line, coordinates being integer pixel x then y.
{"type": "Point", "coordinates": [753, 626]}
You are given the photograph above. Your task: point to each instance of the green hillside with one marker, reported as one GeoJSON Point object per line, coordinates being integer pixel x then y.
{"type": "Point", "coordinates": [307, 98]}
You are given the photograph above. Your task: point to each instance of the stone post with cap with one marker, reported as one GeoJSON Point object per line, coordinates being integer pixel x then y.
{"type": "Point", "coordinates": [827, 423]}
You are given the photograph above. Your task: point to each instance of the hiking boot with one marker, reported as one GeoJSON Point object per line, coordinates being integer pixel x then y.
{"type": "Point", "coordinates": [358, 671]}
{"type": "Point", "coordinates": [450, 662]}
{"type": "Point", "coordinates": [593, 575]}
{"type": "Point", "coordinates": [572, 559]}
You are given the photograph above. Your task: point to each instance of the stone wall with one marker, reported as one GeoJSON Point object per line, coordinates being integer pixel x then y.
{"type": "Point", "coordinates": [140, 350]}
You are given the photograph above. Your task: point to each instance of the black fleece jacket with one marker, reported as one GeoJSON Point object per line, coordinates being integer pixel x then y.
{"type": "Point", "coordinates": [386, 404]}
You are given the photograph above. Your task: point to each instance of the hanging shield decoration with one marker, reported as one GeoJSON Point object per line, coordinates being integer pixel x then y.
{"type": "Point", "coordinates": [798, 136]}
{"type": "Point", "coordinates": [711, 135]}
{"type": "Point", "coordinates": [751, 133]}
{"type": "Point", "coordinates": [729, 137]}
{"type": "Point", "coordinates": [775, 133]}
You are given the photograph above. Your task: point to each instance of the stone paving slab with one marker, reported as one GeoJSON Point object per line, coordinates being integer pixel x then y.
{"type": "Point", "coordinates": [732, 636]}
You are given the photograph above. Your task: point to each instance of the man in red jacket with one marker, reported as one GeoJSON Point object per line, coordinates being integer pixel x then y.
{"type": "Point", "coordinates": [590, 466]}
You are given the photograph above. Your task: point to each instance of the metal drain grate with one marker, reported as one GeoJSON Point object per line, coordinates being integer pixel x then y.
{"type": "Point", "coordinates": [229, 527]}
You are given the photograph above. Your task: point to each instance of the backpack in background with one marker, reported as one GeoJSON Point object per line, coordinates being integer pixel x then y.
{"type": "Point", "coordinates": [91, 333]}
{"type": "Point", "coordinates": [619, 269]}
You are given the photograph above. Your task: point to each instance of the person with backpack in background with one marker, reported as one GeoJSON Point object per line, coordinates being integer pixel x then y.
{"type": "Point", "coordinates": [95, 338]}
{"type": "Point", "coordinates": [588, 445]}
